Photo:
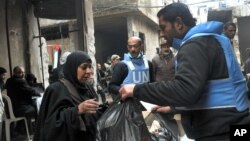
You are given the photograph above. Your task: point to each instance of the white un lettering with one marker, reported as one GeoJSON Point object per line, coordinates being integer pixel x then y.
{"type": "Point", "coordinates": [140, 76]}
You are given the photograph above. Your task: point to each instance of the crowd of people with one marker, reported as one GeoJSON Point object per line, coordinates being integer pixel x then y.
{"type": "Point", "coordinates": [203, 82]}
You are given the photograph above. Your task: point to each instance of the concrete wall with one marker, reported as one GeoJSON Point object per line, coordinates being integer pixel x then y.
{"type": "Point", "coordinates": [24, 49]}
{"type": "Point", "coordinates": [111, 7]}
{"type": "Point", "coordinates": [34, 50]}
{"type": "Point", "coordinates": [150, 8]}
{"type": "Point", "coordinates": [143, 20]}
{"type": "Point", "coordinates": [151, 34]}
{"type": "Point", "coordinates": [4, 62]}
{"type": "Point", "coordinates": [15, 35]}
{"type": "Point", "coordinates": [240, 11]}
{"type": "Point", "coordinates": [109, 3]}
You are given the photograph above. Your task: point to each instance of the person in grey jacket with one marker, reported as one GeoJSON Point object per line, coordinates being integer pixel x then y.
{"type": "Point", "coordinates": [163, 63]}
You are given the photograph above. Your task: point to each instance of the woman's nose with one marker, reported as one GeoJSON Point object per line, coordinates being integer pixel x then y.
{"type": "Point", "coordinates": [89, 70]}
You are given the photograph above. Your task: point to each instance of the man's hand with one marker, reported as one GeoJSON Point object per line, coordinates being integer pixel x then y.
{"type": "Point", "coordinates": [127, 91]}
{"type": "Point", "coordinates": [162, 109]}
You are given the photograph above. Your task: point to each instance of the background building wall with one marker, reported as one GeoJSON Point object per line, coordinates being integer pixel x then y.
{"type": "Point", "coordinates": [36, 67]}
{"type": "Point", "coordinates": [15, 23]}
{"type": "Point", "coordinates": [4, 62]}
{"type": "Point", "coordinates": [150, 8]}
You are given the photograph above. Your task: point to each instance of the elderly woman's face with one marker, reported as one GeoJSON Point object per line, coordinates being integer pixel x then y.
{"type": "Point", "coordinates": [85, 72]}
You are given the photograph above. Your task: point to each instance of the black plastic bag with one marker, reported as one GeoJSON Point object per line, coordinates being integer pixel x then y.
{"type": "Point", "coordinates": [123, 122]}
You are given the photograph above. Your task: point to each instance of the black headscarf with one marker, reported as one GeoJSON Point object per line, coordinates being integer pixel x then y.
{"type": "Point", "coordinates": [70, 69]}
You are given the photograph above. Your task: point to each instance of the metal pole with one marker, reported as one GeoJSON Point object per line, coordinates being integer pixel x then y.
{"type": "Point", "coordinates": [7, 36]}
{"type": "Point", "coordinates": [26, 36]}
{"type": "Point", "coordinates": [84, 25]}
{"type": "Point", "coordinates": [40, 46]}
{"type": "Point", "coordinates": [80, 18]}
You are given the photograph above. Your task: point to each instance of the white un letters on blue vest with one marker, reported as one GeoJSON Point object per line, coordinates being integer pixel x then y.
{"type": "Point", "coordinates": [138, 70]}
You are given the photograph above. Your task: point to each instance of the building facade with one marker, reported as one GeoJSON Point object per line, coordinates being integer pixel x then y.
{"type": "Point", "coordinates": [116, 20]}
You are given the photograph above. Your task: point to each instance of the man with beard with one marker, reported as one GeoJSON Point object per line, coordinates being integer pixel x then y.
{"type": "Point", "coordinates": [21, 95]}
{"type": "Point", "coordinates": [229, 30]}
{"type": "Point", "coordinates": [134, 69]}
{"type": "Point", "coordinates": [69, 108]}
{"type": "Point", "coordinates": [209, 88]}
{"type": "Point", "coordinates": [163, 63]}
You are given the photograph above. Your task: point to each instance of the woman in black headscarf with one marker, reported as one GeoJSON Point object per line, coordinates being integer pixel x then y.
{"type": "Point", "coordinates": [69, 107]}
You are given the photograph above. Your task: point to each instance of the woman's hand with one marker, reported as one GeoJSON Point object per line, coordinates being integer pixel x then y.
{"type": "Point", "coordinates": [88, 106]}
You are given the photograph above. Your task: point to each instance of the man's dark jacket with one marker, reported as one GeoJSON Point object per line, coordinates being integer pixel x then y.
{"type": "Point", "coordinates": [20, 94]}
{"type": "Point", "coordinates": [200, 59]}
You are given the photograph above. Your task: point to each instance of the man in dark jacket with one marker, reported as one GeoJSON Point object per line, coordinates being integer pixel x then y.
{"type": "Point", "coordinates": [209, 87]}
{"type": "Point", "coordinates": [134, 69]}
{"type": "Point", "coordinates": [21, 94]}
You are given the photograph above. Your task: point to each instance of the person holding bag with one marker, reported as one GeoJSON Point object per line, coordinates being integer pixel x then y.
{"type": "Point", "coordinates": [69, 109]}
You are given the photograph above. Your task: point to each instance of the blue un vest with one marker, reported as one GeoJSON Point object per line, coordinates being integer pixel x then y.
{"type": "Point", "coordinates": [224, 93]}
{"type": "Point", "coordinates": [138, 70]}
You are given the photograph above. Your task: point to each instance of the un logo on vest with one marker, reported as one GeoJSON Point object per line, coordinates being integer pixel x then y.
{"type": "Point", "coordinates": [140, 76]}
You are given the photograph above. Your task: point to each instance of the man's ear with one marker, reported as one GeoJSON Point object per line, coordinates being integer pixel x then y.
{"type": "Point", "coordinates": [179, 23]}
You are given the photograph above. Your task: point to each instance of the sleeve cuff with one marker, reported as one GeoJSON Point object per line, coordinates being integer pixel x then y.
{"type": "Point", "coordinates": [136, 91]}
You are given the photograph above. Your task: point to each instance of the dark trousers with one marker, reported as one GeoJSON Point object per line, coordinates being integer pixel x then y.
{"type": "Point", "coordinates": [28, 111]}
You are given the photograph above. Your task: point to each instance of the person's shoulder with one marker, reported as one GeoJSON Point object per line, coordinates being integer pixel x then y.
{"type": "Point", "coordinates": [202, 43]}
{"type": "Point", "coordinates": [9, 80]}
{"type": "Point", "coordinates": [20, 81]}
{"type": "Point", "coordinates": [120, 65]}
{"type": "Point", "coordinates": [202, 40]}
{"type": "Point", "coordinates": [55, 86]}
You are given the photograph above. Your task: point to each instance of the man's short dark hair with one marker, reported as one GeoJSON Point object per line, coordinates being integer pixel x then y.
{"type": "Point", "coordinates": [174, 10]}
{"type": "Point", "coordinates": [2, 70]}
{"type": "Point", "coordinates": [16, 68]}
{"type": "Point", "coordinates": [226, 25]}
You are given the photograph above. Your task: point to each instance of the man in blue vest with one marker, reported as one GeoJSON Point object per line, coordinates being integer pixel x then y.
{"type": "Point", "coordinates": [134, 69]}
{"type": "Point", "coordinates": [208, 88]}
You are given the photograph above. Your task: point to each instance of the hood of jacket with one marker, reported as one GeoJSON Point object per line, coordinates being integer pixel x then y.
{"type": "Point", "coordinates": [208, 27]}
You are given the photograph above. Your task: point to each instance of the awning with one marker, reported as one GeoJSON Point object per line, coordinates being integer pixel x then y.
{"type": "Point", "coordinates": [55, 9]}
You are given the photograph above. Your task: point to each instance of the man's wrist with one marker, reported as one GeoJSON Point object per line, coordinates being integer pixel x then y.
{"type": "Point", "coordinates": [135, 94]}
{"type": "Point", "coordinates": [173, 111]}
